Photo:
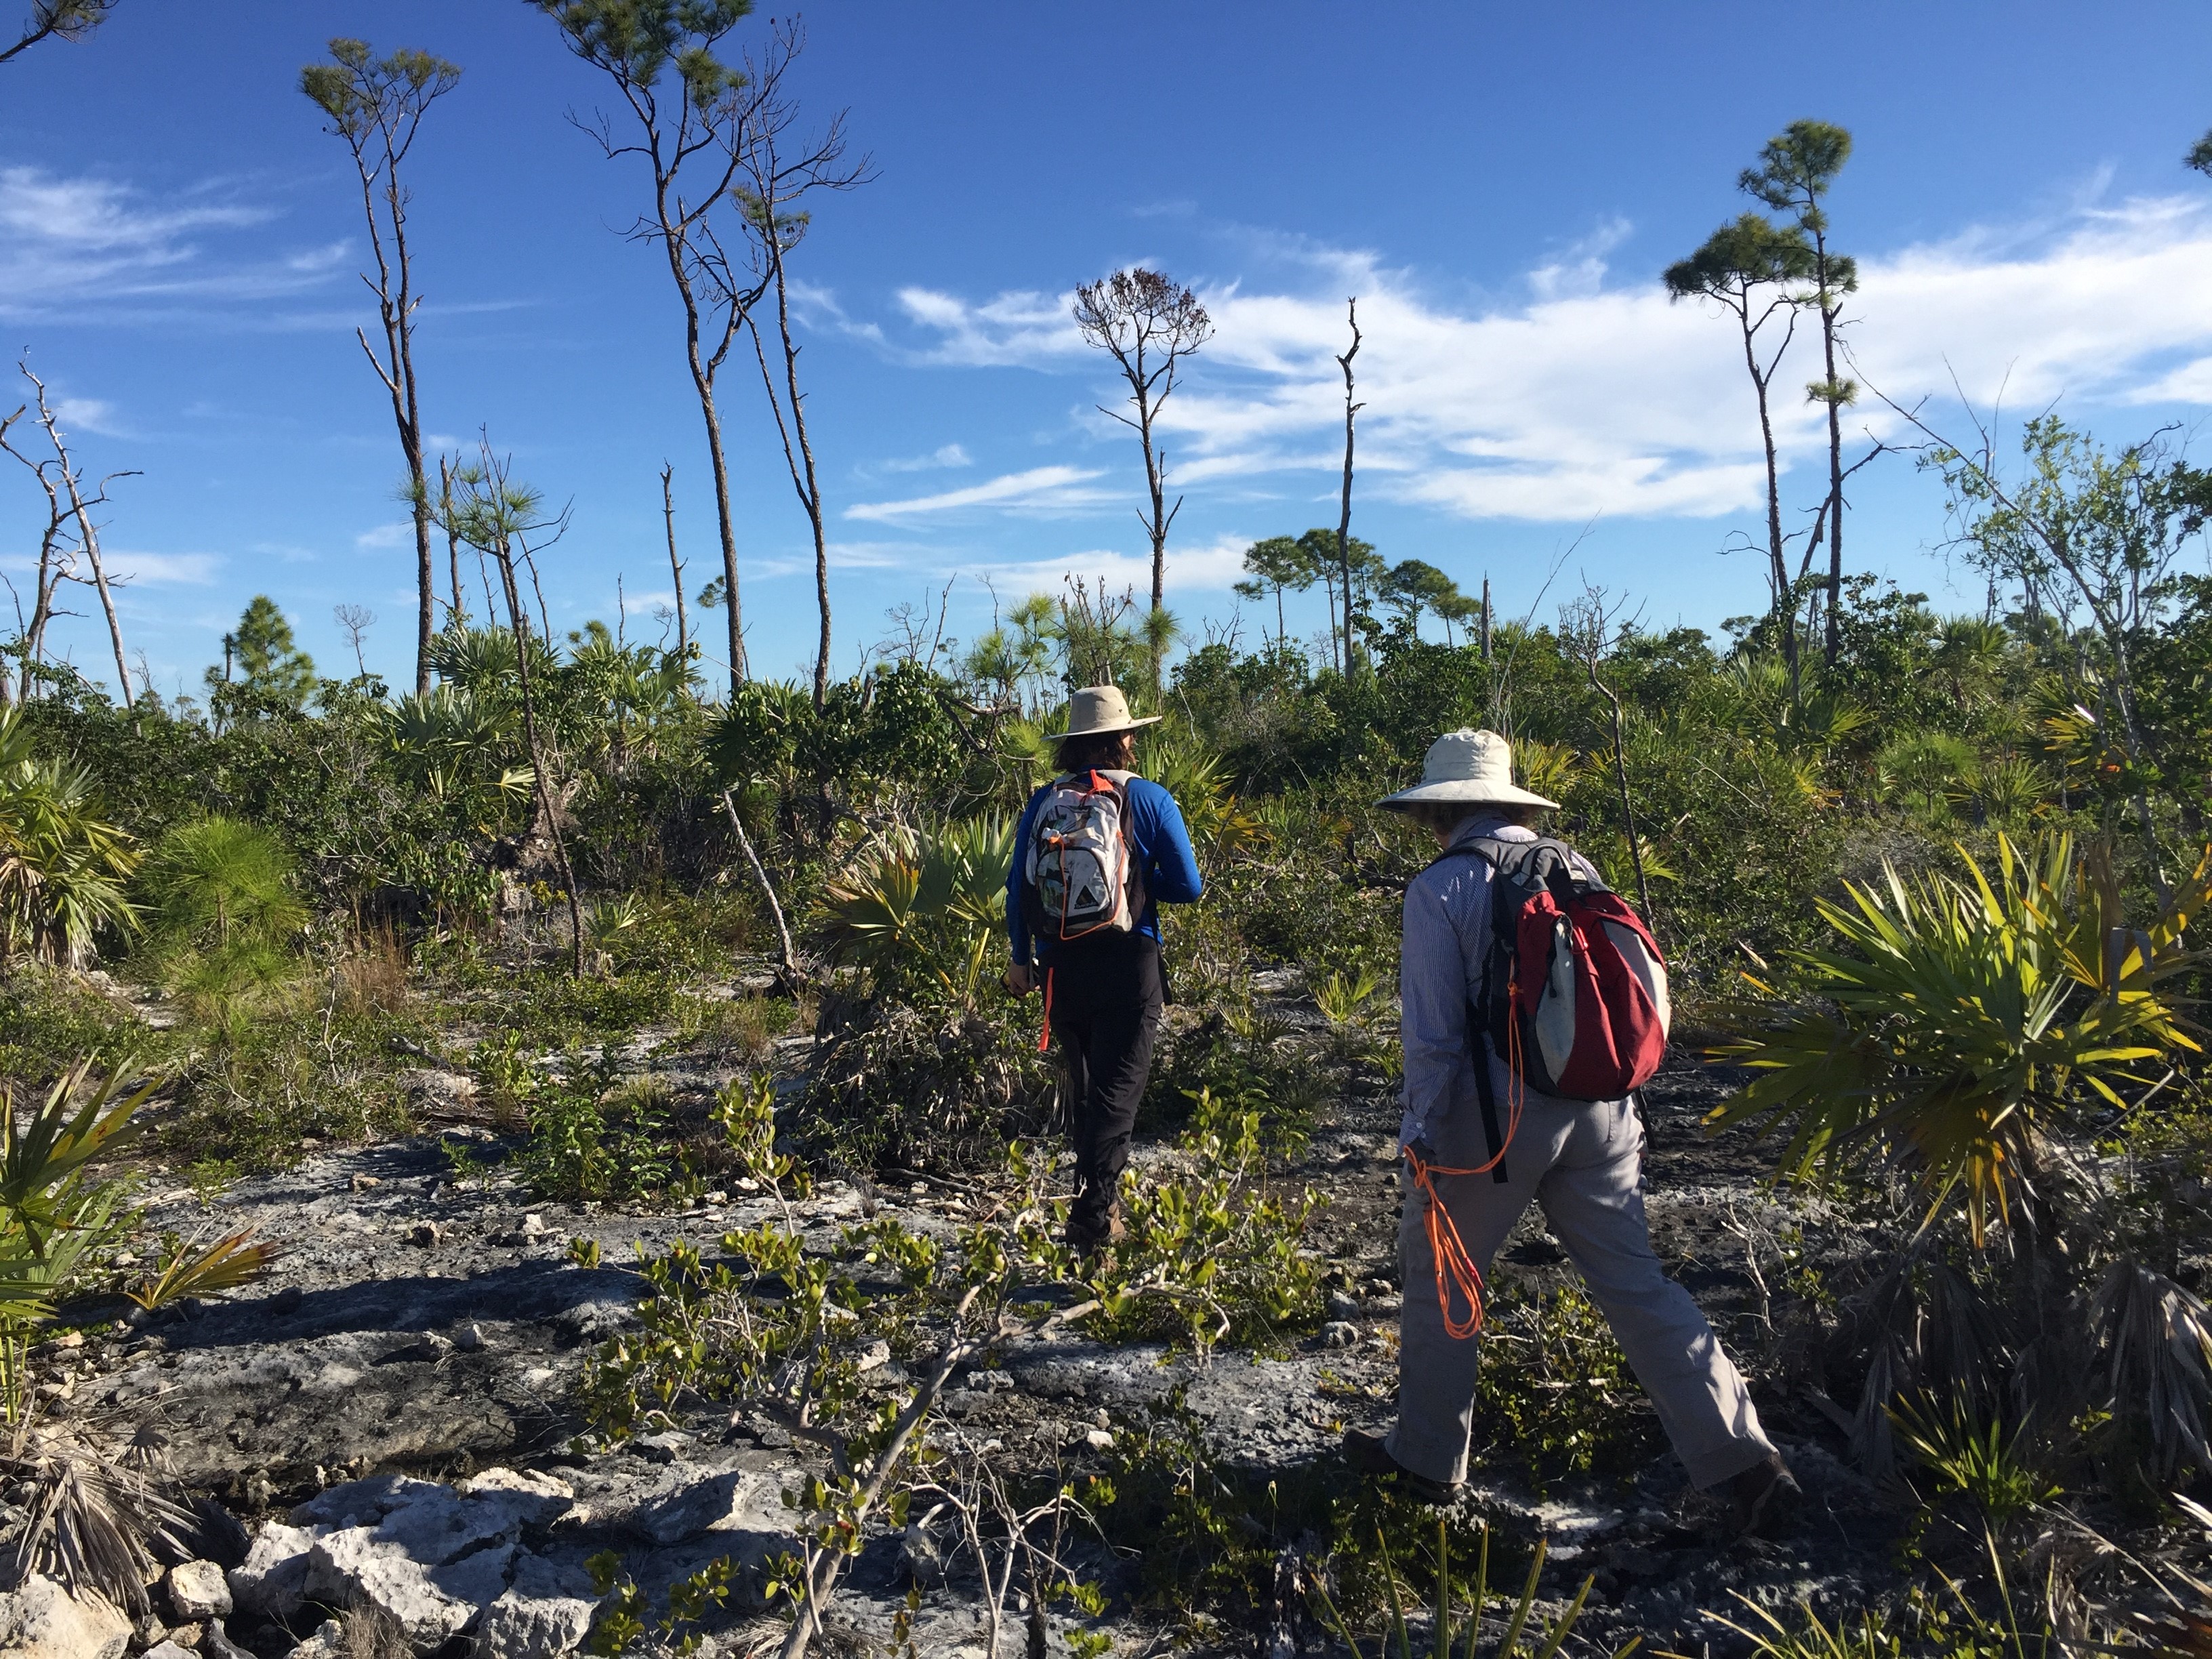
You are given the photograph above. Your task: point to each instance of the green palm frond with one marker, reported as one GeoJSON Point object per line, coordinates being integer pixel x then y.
{"type": "Point", "coordinates": [235, 1259]}
{"type": "Point", "coordinates": [1954, 1014]}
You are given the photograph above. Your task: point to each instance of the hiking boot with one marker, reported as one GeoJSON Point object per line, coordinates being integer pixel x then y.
{"type": "Point", "coordinates": [1370, 1454]}
{"type": "Point", "coordinates": [1089, 1241]}
{"type": "Point", "coordinates": [1764, 1496]}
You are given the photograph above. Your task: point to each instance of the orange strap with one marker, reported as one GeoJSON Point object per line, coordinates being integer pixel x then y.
{"type": "Point", "coordinates": [1454, 1266]}
{"type": "Point", "coordinates": [1044, 1031]}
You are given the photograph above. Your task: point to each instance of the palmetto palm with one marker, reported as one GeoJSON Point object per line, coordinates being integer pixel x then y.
{"type": "Point", "coordinates": [931, 898]}
{"type": "Point", "coordinates": [1959, 1013]}
{"type": "Point", "coordinates": [63, 868]}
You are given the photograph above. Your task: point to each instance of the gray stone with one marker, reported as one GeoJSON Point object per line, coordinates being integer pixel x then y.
{"type": "Point", "coordinates": [544, 1612]}
{"type": "Point", "coordinates": [1340, 1334]}
{"type": "Point", "coordinates": [197, 1591]}
{"type": "Point", "coordinates": [42, 1620]}
{"type": "Point", "coordinates": [351, 1503]}
{"type": "Point", "coordinates": [169, 1650]}
{"type": "Point", "coordinates": [738, 1501]}
{"type": "Point", "coordinates": [272, 1580]}
{"type": "Point", "coordinates": [922, 1557]}
{"type": "Point", "coordinates": [329, 1642]}
{"type": "Point", "coordinates": [430, 1602]}
{"type": "Point", "coordinates": [534, 1499]}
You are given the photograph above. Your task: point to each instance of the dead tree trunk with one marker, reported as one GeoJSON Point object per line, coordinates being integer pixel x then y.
{"type": "Point", "coordinates": [675, 564]}
{"type": "Point", "coordinates": [1343, 517]}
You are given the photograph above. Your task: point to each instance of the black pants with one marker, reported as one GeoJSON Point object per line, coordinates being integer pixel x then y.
{"type": "Point", "coordinates": [1106, 999]}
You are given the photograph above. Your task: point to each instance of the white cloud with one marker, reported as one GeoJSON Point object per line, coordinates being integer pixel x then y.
{"type": "Point", "coordinates": [159, 569]}
{"type": "Point", "coordinates": [1021, 328]}
{"type": "Point", "coordinates": [1212, 568]}
{"type": "Point", "coordinates": [1589, 399]}
{"type": "Point", "coordinates": [87, 415]}
{"type": "Point", "coordinates": [944, 455]}
{"type": "Point", "coordinates": [399, 533]}
{"type": "Point", "coordinates": [76, 244]}
{"type": "Point", "coordinates": [1041, 491]}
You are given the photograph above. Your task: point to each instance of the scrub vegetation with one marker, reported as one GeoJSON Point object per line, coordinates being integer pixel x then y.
{"type": "Point", "coordinates": [1933, 889]}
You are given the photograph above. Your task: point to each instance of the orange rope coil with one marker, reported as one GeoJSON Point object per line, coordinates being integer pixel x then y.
{"type": "Point", "coordinates": [1454, 1266]}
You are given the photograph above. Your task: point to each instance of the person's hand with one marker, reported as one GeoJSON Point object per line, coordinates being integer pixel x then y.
{"type": "Point", "coordinates": [1021, 979]}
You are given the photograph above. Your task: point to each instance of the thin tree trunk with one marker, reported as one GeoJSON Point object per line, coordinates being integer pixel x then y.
{"type": "Point", "coordinates": [1833, 644]}
{"type": "Point", "coordinates": [397, 370]}
{"type": "Point", "coordinates": [1485, 619]}
{"type": "Point", "coordinates": [804, 478]}
{"type": "Point", "coordinates": [452, 541]}
{"type": "Point", "coordinates": [794, 975]}
{"type": "Point", "coordinates": [1344, 516]}
{"type": "Point", "coordinates": [519, 627]}
{"type": "Point", "coordinates": [702, 381]}
{"type": "Point", "coordinates": [675, 565]}
{"type": "Point", "coordinates": [1779, 566]}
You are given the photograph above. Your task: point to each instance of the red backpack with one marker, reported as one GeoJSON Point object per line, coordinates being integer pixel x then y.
{"type": "Point", "coordinates": [1574, 989]}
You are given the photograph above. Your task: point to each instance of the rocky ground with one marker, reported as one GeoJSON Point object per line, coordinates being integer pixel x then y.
{"type": "Point", "coordinates": [387, 1413]}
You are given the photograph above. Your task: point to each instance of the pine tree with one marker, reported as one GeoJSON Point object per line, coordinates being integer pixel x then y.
{"type": "Point", "coordinates": [270, 663]}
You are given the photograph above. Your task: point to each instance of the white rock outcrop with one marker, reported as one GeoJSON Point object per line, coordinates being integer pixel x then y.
{"type": "Point", "coordinates": [42, 1620]}
{"type": "Point", "coordinates": [545, 1613]}
{"type": "Point", "coordinates": [272, 1581]}
{"type": "Point", "coordinates": [199, 1591]}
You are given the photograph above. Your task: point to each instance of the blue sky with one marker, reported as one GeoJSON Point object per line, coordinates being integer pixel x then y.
{"type": "Point", "coordinates": [1500, 187]}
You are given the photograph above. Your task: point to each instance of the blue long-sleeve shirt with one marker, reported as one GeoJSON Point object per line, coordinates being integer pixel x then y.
{"type": "Point", "coordinates": [1163, 852]}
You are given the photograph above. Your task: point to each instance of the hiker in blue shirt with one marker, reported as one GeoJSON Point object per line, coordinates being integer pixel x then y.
{"type": "Point", "coordinates": [1098, 850]}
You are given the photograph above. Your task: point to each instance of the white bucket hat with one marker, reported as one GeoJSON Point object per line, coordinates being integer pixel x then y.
{"type": "Point", "coordinates": [1467, 766]}
{"type": "Point", "coordinates": [1098, 710]}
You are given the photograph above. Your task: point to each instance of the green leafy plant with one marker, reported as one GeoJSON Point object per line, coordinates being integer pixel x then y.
{"type": "Point", "coordinates": [222, 911]}
{"type": "Point", "coordinates": [191, 1269]}
{"type": "Point", "coordinates": [1993, 1472]}
{"type": "Point", "coordinates": [64, 869]}
{"type": "Point", "coordinates": [1555, 1388]}
{"type": "Point", "coordinates": [1961, 1014]}
{"type": "Point", "coordinates": [1212, 1252]}
{"type": "Point", "coordinates": [1448, 1633]}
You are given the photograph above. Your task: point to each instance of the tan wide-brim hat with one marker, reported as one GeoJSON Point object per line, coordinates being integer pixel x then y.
{"type": "Point", "coordinates": [1467, 767]}
{"type": "Point", "coordinates": [1096, 710]}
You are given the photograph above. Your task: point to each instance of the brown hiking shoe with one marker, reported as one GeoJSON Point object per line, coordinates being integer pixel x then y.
{"type": "Point", "coordinates": [1763, 1497]}
{"type": "Point", "coordinates": [1370, 1454]}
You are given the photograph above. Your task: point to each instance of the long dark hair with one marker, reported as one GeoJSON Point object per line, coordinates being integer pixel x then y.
{"type": "Point", "coordinates": [1107, 751]}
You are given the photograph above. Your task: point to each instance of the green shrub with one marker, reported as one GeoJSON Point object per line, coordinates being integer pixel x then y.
{"type": "Point", "coordinates": [1213, 1254]}
{"type": "Point", "coordinates": [1554, 1389]}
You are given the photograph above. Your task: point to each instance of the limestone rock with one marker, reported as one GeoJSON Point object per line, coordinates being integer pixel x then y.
{"type": "Point", "coordinates": [431, 1602]}
{"type": "Point", "coordinates": [544, 1613]}
{"type": "Point", "coordinates": [272, 1580]}
{"type": "Point", "coordinates": [169, 1650]}
{"type": "Point", "coordinates": [733, 1502]}
{"type": "Point", "coordinates": [329, 1642]}
{"type": "Point", "coordinates": [534, 1499]}
{"type": "Point", "coordinates": [351, 1503]}
{"type": "Point", "coordinates": [199, 1591]}
{"type": "Point", "coordinates": [42, 1620]}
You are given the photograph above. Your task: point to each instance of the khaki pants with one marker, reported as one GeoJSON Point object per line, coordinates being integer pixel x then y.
{"type": "Point", "coordinates": [1581, 1162]}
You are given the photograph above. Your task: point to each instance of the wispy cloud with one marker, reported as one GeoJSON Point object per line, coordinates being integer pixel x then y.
{"type": "Point", "coordinates": [944, 456]}
{"type": "Point", "coordinates": [1211, 566]}
{"type": "Point", "coordinates": [87, 415]}
{"type": "Point", "coordinates": [397, 533]}
{"type": "Point", "coordinates": [73, 245]}
{"type": "Point", "coordinates": [1594, 396]}
{"type": "Point", "coordinates": [1027, 328]}
{"type": "Point", "coordinates": [1040, 491]}
{"type": "Point", "coordinates": [160, 569]}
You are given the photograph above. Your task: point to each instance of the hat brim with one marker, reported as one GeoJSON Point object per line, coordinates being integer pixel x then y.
{"type": "Point", "coordinates": [1463, 794]}
{"type": "Point", "coordinates": [1105, 731]}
